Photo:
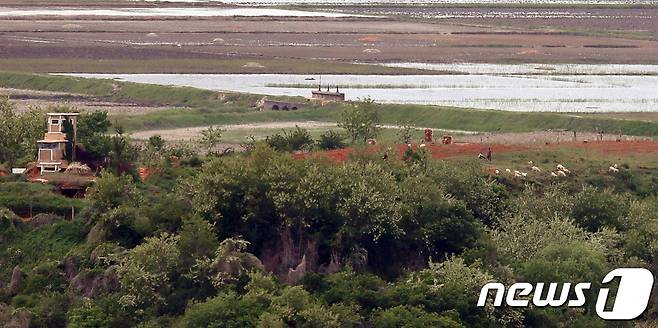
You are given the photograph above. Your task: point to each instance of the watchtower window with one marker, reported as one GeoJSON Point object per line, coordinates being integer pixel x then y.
{"type": "Point", "coordinates": [48, 146]}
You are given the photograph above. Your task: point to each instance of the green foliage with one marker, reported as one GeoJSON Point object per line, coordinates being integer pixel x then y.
{"type": "Point", "coordinates": [25, 198]}
{"type": "Point", "coordinates": [348, 287]}
{"type": "Point", "coordinates": [409, 316]}
{"type": "Point", "coordinates": [91, 130]}
{"type": "Point", "coordinates": [110, 191]}
{"type": "Point", "coordinates": [225, 310]}
{"type": "Point", "coordinates": [297, 139]}
{"type": "Point", "coordinates": [518, 239]}
{"type": "Point", "coordinates": [210, 139]}
{"type": "Point", "coordinates": [411, 243]}
{"type": "Point", "coordinates": [19, 133]}
{"type": "Point", "coordinates": [197, 241]}
{"type": "Point", "coordinates": [89, 316]}
{"type": "Point", "coordinates": [453, 285]}
{"type": "Point", "coordinates": [594, 209]}
{"type": "Point", "coordinates": [146, 273]}
{"type": "Point", "coordinates": [45, 277]}
{"type": "Point", "coordinates": [568, 262]}
{"type": "Point", "coordinates": [33, 247]}
{"type": "Point", "coordinates": [267, 304]}
{"type": "Point", "coordinates": [405, 133]}
{"type": "Point", "coordinates": [488, 200]}
{"type": "Point", "coordinates": [331, 140]}
{"type": "Point", "coordinates": [156, 142]}
{"type": "Point", "coordinates": [361, 120]}
{"type": "Point", "coordinates": [102, 312]}
{"type": "Point", "coordinates": [435, 221]}
{"type": "Point", "coordinates": [641, 230]}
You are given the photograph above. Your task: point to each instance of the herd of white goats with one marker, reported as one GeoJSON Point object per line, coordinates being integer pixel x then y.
{"type": "Point", "coordinates": [560, 171]}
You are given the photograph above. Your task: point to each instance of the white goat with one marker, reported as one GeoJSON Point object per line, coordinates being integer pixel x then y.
{"type": "Point", "coordinates": [536, 169]}
{"type": "Point", "coordinates": [561, 173]}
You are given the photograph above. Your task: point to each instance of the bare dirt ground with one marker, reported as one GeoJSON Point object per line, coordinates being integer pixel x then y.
{"type": "Point", "coordinates": [27, 99]}
{"type": "Point", "coordinates": [464, 35]}
{"type": "Point", "coordinates": [472, 149]}
{"type": "Point", "coordinates": [544, 137]}
{"type": "Point", "coordinates": [180, 134]}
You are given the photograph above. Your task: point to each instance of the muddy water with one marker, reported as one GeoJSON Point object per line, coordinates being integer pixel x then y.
{"type": "Point", "coordinates": [163, 12]}
{"type": "Point", "coordinates": [514, 92]}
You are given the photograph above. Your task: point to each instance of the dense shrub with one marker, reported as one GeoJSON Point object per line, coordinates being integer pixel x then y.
{"type": "Point", "coordinates": [296, 139]}
{"type": "Point", "coordinates": [331, 140]}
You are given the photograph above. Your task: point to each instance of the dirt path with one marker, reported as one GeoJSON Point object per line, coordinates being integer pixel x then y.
{"type": "Point", "coordinates": [25, 99]}
{"type": "Point", "coordinates": [193, 132]}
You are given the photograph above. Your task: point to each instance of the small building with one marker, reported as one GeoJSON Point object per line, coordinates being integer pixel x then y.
{"type": "Point", "coordinates": [281, 105]}
{"type": "Point", "coordinates": [52, 148]}
{"type": "Point", "coordinates": [328, 95]}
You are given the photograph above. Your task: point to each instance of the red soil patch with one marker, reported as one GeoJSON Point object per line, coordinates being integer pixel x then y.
{"type": "Point", "coordinates": [437, 151]}
{"type": "Point", "coordinates": [472, 149]}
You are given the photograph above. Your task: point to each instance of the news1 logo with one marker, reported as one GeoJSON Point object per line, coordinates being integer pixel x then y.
{"type": "Point", "coordinates": [630, 302]}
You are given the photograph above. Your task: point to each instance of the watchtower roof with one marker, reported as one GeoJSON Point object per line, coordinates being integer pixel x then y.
{"type": "Point", "coordinates": [63, 114]}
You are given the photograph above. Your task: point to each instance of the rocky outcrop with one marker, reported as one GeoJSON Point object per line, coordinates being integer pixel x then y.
{"type": "Point", "coordinates": [93, 285]}
{"type": "Point", "coordinates": [11, 318]}
{"type": "Point", "coordinates": [97, 234]}
{"type": "Point", "coordinates": [71, 267]}
{"type": "Point", "coordinates": [333, 266]}
{"type": "Point", "coordinates": [16, 282]}
{"type": "Point", "coordinates": [42, 219]}
{"type": "Point", "coordinates": [296, 274]}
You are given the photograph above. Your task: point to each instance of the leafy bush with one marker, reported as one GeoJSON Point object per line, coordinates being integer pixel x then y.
{"type": "Point", "coordinates": [296, 139]}
{"type": "Point", "coordinates": [413, 317]}
{"type": "Point", "coordinates": [227, 310]}
{"type": "Point", "coordinates": [594, 209]}
{"type": "Point", "coordinates": [331, 140]}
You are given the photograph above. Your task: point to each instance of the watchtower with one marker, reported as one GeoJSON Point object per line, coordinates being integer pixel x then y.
{"type": "Point", "coordinates": [52, 148]}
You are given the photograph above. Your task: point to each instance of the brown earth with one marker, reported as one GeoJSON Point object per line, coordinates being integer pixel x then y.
{"type": "Point", "coordinates": [472, 149]}
{"type": "Point", "coordinates": [619, 36]}
{"type": "Point", "coordinates": [24, 100]}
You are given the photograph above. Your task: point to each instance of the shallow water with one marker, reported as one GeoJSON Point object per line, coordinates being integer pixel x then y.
{"type": "Point", "coordinates": [163, 12]}
{"type": "Point", "coordinates": [415, 2]}
{"type": "Point", "coordinates": [544, 69]}
{"type": "Point", "coordinates": [514, 92]}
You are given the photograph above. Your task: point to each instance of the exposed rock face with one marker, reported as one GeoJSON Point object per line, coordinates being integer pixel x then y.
{"type": "Point", "coordinates": [10, 318]}
{"type": "Point", "coordinates": [71, 265]}
{"type": "Point", "coordinates": [91, 286]}
{"type": "Point", "coordinates": [333, 266]}
{"type": "Point", "coordinates": [16, 281]}
{"type": "Point", "coordinates": [288, 254]}
{"type": "Point", "coordinates": [97, 234]}
{"type": "Point", "coordinates": [42, 219]}
{"type": "Point", "coordinates": [296, 274]}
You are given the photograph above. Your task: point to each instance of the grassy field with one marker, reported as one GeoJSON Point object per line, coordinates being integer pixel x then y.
{"type": "Point", "coordinates": [587, 166]}
{"type": "Point", "coordinates": [204, 107]}
{"type": "Point", "coordinates": [417, 115]}
{"type": "Point", "coordinates": [194, 65]}
{"type": "Point", "coordinates": [125, 92]}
